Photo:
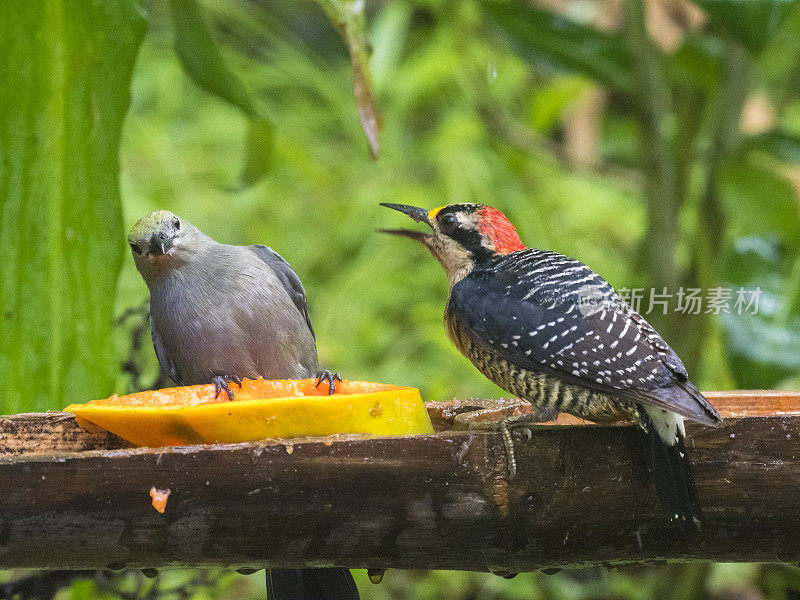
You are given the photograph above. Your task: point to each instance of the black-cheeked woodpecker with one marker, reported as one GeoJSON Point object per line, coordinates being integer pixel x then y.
{"type": "Point", "coordinates": [547, 328]}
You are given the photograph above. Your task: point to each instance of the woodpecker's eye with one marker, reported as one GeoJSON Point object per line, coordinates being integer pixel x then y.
{"type": "Point", "coordinates": [135, 248]}
{"type": "Point", "coordinates": [177, 224]}
{"type": "Point", "coordinates": [449, 222]}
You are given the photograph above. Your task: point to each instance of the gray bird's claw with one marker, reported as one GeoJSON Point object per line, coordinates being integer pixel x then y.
{"type": "Point", "coordinates": [221, 383]}
{"type": "Point", "coordinates": [331, 378]}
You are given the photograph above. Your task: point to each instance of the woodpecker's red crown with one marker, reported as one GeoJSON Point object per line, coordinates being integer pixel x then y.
{"type": "Point", "coordinates": [477, 227]}
{"type": "Point", "coordinates": [496, 226]}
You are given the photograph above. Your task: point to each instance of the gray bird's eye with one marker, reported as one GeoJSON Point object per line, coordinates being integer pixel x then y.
{"type": "Point", "coordinates": [135, 248]}
{"type": "Point", "coordinates": [177, 224]}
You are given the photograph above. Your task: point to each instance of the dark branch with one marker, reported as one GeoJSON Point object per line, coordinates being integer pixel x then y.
{"type": "Point", "coordinates": [442, 501]}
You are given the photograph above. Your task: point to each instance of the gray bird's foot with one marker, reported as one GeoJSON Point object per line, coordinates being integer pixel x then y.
{"type": "Point", "coordinates": [331, 378]}
{"type": "Point", "coordinates": [221, 383]}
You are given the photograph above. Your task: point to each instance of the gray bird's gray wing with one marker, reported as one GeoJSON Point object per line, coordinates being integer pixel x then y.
{"type": "Point", "coordinates": [288, 278]}
{"type": "Point", "coordinates": [163, 356]}
{"type": "Point", "coordinates": [531, 310]}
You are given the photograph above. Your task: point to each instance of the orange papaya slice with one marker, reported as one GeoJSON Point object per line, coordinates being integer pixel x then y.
{"type": "Point", "coordinates": [261, 409]}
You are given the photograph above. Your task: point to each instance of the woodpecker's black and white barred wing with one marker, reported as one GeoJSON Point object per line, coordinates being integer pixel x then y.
{"type": "Point", "coordinates": [546, 312]}
{"type": "Point", "coordinates": [288, 278]}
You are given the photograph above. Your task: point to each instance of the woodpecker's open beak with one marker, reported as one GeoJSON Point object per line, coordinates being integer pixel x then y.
{"type": "Point", "coordinates": [420, 215]}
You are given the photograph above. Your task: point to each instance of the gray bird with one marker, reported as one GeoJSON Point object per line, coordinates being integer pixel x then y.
{"type": "Point", "coordinates": [221, 313]}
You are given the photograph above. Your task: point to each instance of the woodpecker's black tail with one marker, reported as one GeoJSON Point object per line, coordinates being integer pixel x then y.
{"type": "Point", "coordinates": [673, 479]}
{"type": "Point", "coordinates": [334, 583]}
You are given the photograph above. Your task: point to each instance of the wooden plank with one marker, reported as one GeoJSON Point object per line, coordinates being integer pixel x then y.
{"type": "Point", "coordinates": [52, 433]}
{"type": "Point", "coordinates": [735, 403]}
{"type": "Point", "coordinates": [582, 497]}
{"type": "Point", "coordinates": [56, 432]}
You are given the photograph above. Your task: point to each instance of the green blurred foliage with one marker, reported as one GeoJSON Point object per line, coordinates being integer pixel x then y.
{"type": "Point", "coordinates": [63, 96]}
{"type": "Point", "coordinates": [691, 581]}
{"type": "Point", "coordinates": [469, 119]}
{"type": "Point", "coordinates": [249, 119]}
{"type": "Point", "coordinates": [376, 301]}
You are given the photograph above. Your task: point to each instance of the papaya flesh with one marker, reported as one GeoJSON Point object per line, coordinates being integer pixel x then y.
{"type": "Point", "coordinates": [261, 409]}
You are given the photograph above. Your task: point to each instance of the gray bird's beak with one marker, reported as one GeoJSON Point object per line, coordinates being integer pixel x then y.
{"type": "Point", "coordinates": [159, 245]}
{"type": "Point", "coordinates": [420, 215]}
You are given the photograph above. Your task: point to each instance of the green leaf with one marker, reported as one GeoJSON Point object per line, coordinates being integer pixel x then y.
{"type": "Point", "coordinates": [390, 33]}
{"type": "Point", "coordinates": [84, 589]}
{"type": "Point", "coordinates": [258, 152]}
{"type": "Point", "coordinates": [554, 99]}
{"type": "Point", "coordinates": [542, 37]}
{"type": "Point", "coordinates": [762, 340]}
{"type": "Point", "coordinates": [348, 18]}
{"type": "Point", "coordinates": [758, 201]}
{"type": "Point", "coordinates": [203, 62]}
{"type": "Point", "coordinates": [752, 22]}
{"type": "Point", "coordinates": [780, 144]}
{"type": "Point", "coordinates": [64, 91]}
{"type": "Point", "coordinates": [698, 61]}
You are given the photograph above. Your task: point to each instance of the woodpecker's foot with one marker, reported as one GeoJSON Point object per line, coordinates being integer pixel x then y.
{"type": "Point", "coordinates": [521, 422]}
{"type": "Point", "coordinates": [221, 383]}
{"type": "Point", "coordinates": [331, 378]}
{"type": "Point", "coordinates": [505, 427]}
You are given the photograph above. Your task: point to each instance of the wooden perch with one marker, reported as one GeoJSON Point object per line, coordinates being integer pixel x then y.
{"type": "Point", "coordinates": [76, 499]}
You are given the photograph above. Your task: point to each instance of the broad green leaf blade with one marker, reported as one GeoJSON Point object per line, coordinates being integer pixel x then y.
{"type": "Point", "coordinates": [258, 151]}
{"type": "Point", "coordinates": [782, 145]}
{"type": "Point", "coordinates": [698, 62]}
{"type": "Point", "coordinates": [542, 37]}
{"type": "Point", "coordinates": [200, 56]}
{"type": "Point", "coordinates": [752, 22]}
{"type": "Point", "coordinates": [64, 91]}
{"type": "Point", "coordinates": [348, 18]}
{"type": "Point", "coordinates": [389, 37]}
{"type": "Point", "coordinates": [762, 337]}
{"type": "Point", "coordinates": [758, 202]}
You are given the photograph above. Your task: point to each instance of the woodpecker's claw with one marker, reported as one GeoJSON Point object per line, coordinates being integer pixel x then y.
{"type": "Point", "coordinates": [221, 383]}
{"type": "Point", "coordinates": [505, 427]}
{"type": "Point", "coordinates": [331, 378]}
{"type": "Point", "coordinates": [508, 442]}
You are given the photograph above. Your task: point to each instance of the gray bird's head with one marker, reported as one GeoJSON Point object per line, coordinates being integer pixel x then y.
{"type": "Point", "coordinates": [162, 241]}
